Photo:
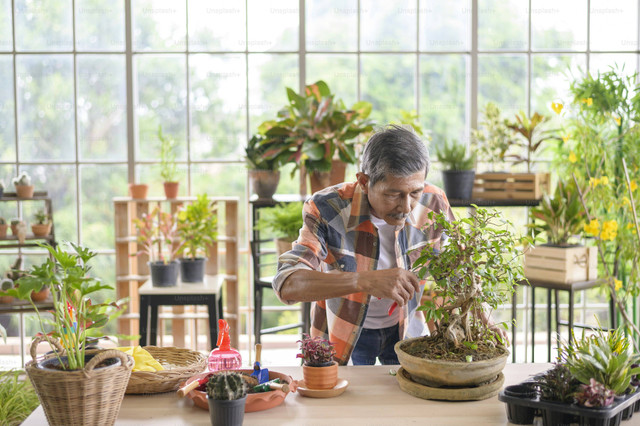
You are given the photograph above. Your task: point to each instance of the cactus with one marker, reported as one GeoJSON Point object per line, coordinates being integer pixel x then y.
{"type": "Point", "coordinates": [594, 395]}
{"type": "Point", "coordinates": [22, 179]}
{"type": "Point", "coordinates": [6, 284]}
{"type": "Point", "coordinates": [226, 386]}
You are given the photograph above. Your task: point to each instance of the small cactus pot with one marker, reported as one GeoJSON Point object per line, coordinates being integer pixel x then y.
{"type": "Point", "coordinates": [41, 230]}
{"type": "Point", "coordinates": [24, 191]}
{"type": "Point", "coordinates": [226, 412]}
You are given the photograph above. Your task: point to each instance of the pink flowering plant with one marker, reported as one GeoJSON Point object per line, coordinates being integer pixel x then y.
{"type": "Point", "coordinates": [316, 351]}
{"type": "Point", "coordinates": [157, 236]}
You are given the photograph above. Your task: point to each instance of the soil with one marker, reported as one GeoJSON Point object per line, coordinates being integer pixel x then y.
{"type": "Point", "coordinates": [435, 348]}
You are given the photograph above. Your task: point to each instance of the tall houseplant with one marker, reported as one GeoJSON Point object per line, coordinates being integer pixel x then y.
{"type": "Point", "coordinates": [198, 230]}
{"type": "Point", "coordinates": [263, 172]}
{"type": "Point", "coordinates": [168, 167]}
{"type": "Point", "coordinates": [284, 221]}
{"type": "Point", "coordinates": [457, 170]}
{"type": "Point", "coordinates": [316, 131]}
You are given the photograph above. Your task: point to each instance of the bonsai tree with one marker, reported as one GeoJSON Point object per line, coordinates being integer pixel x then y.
{"type": "Point", "coordinates": [491, 140]}
{"type": "Point", "coordinates": [197, 227]}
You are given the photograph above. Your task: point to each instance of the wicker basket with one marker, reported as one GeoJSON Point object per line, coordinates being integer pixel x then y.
{"type": "Point", "coordinates": [82, 397]}
{"type": "Point", "coordinates": [179, 364]}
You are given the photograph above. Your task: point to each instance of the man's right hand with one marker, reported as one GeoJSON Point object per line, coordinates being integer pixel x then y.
{"type": "Point", "coordinates": [396, 284]}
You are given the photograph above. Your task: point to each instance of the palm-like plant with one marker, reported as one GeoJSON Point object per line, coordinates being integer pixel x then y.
{"type": "Point", "coordinates": [533, 135]}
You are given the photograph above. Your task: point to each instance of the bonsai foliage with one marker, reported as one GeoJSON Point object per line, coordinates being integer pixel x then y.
{"type": "Point", "coordinates": [76, 319]}
{"type": "Point", "coordinates": [283, 220]}
{"type": "Point", "coordinates": [22, 179]}
{"type": "Point", "coordinates": [226, 386]}
{"type": "Point", "coordinates": [157, 236]}
{"type": "Point", "coordinates": [475, 272]}
{"type": "Point", "coordinates": [561, 217]}
{"type": "Point", "coordinates": [455, 156]}
{"type": "Point", "coordinates": [197, 227]}
{"type": "Point", "coordinates": [315, 128]}
{"type": "Point", "coordinates": [315, 351]}
{"type": "Point", "coordinates": [594, 395]}
{"type": "Point", "coordinates": [168, 167]}
{"type": "Point", "coordinates": [530, 134]}
{"type": "Point", "coordinates": [254, 155]}
{"type": "Point", "coordinates": [557, 384]}
{"type": "Point", "coordinates": [491, 140]}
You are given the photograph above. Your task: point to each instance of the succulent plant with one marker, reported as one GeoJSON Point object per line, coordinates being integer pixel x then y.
{"type": "Point", "coordinates": [6, 284]}
{"type": "Point", "coordinates": [316, 351]}
{"type": "Point", "coordinates": [594, 395]}
{"type": "Point", "coordinates": [22, 179]}
{"type": "Point", "coordinates": [41, 217]}
{"type": "Point", "coordinates": [557, 384]}
{"type": "Point", "coordinates": [226, 386]}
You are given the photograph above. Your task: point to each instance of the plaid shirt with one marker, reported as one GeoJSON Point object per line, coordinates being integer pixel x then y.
{"type": "Point", "coordinates": [338, 234]}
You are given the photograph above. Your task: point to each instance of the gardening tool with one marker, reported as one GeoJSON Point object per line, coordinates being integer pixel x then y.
{"type": "Point", "coordinates": [262, 374]}
{"type": "Point", "coordinates": [272, 385]}
{"type": "Point", "coordinates": [183, 391]}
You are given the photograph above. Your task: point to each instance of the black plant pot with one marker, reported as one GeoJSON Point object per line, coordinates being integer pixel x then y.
{"type": "Point", "coordinates": [458, 184]}
{"type": "Point", "coordinates": [517, 413]}
{"type": "Point", "coordinates": [192, 269]}
{"type": "Point", "coordinates": [164, 274]}
{"type": "Point", "coordinates": [53, 363]}
{"type": "Point", "coordinates": [226, 413]}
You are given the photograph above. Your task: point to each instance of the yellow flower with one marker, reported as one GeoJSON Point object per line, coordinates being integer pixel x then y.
{"type": "Point", "coordinates": [572, 157]}
{"type": "Point", "coordinates": [604, 180]}
{"type": "Point", "coordinates": [566, 138]}
{"type": "Point", "coordinates": [594, 182]}
{"type": "Point", "coordinates": [617, 120]}
{"type": "Point", "coordinates": [593, 228]}
{"type": "Point", "coordinates": [633, 185]}
{"type": "Point", "coordinates": [625, 201]}
{"type": "Point", "coordinates": [617, 283]}
{"type": "Point", "coordinates": [609, 230]}
{"type": "Point", "coordinates": [588, 101]}
{"type": "Point", "coordinates": [630, 226]}
{"type": "Point", "coordinates": [557, 107]}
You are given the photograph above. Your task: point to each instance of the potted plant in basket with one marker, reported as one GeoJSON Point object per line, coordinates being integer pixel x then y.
{"type": "Point", "coordinates": [22, 182]}
{"type": "Point", "coordinates": [198, 230]}
{"type": "Point", "coordinates": [157, 237]}
{"type": "Point", "coordinates": [457, 170]}
{"type": "Point", "coordinates": [74, 384]}
{"type": "Point", "coordinates": [319, 369]}
{"type": "Point", "coordinates": [316, 131]}
{"type": "Point", "coordinates": [42, 225]}
{"type": "Point", "coordinates": [474, 273]}
{"type": "Point", "coordinates": [284, 222]}
{"type": "Point", "coordinates": [168, 167]}
{"type": "Point", "coordinates": [227, 396]}
{"type": "Point", "coordinates": [264, 175]}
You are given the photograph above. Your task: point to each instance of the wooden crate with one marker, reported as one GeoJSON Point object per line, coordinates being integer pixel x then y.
{"type": "Point", "coordinates": [561, 265]}
{"type": "Point", "coordinates": [510, 186]}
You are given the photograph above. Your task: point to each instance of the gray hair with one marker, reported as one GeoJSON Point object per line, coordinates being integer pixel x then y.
{"type": "Point", "coordinates": [396, 151]}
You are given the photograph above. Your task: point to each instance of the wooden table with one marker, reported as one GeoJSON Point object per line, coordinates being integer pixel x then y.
{"type": "Point", "coordinates": [372, 398]}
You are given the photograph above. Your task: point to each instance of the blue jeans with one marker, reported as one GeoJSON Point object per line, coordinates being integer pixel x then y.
{"type": "Point", "coordinates": [376, 343]}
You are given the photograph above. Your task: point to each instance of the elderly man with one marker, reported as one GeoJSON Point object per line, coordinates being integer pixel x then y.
{"type": "Point", "coordinates": [354, 253]}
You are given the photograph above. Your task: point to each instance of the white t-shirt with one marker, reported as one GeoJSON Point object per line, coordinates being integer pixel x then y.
{"type": "Point", "coordinates": [378, 312]}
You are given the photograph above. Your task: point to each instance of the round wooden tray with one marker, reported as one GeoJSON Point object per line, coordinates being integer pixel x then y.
{"type": "Point", "coordinates": [449, 394]}
{"type": "Point", "coordinates": [338, 389]}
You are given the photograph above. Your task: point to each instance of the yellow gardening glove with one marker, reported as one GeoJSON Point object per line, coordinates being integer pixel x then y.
{"type": "Point", "coordinates": [144, 360]}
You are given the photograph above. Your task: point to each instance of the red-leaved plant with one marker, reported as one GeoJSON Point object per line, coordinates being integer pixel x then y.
{"type": "Point", "coordinates": [594, 395]}
{"type": "Point", "coordinates": [157, 236]}
{"type": "Point", "coordinates": [316, 351]}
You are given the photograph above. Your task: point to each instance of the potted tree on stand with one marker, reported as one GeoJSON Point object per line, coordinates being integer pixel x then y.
{"type": "Point", "coordinates": [457, 170]}
{"type": "Point", "coordinates": [168, 168]}
{"type": "Point", "coordinates": [264, 175]}
{"type": "Point", "coordinates": [474, 273]}
{"type": "Point", "coordinates": [198, 230]}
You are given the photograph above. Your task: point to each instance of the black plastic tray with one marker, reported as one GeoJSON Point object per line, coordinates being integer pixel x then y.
{"type": "Point", "coordinates": [522, 410]}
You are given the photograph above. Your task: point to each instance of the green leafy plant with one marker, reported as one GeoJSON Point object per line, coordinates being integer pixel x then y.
{"type": "Point", "coordinates": [283, 220]}
{"type": "Point", "coordinates": [168, 167]}
{"type": "Point", "coordinates": [315, 128]}
{"type": "Point", "coordinates": [475, 272]}
{"type": "Point", "coordinates": [41, 217]}
{"type": "Point", "coordinates": [157, 236]}
{"type": "Point", "coordinates": [557, 384]}
{"type": "Point", "coordinates": [22, 179]}
{"type": "Point", "coordinates": [491, 140]}
{"type": "Point", "coordinates": [531, 135]}
{"type": "Point", "coordinates": [17, 398]}
{"type": "Point", "coordinates": [197, 227]}
{"type": "Point", "coordinates": [254, 155]}
{"type": "Point", "coordinates": [561, 217]}
{"type": "Point", "coordinates": [226, 386]}
{"type": "Point", "coordinates": [315, 351]}
{"type": "Point", "coordinates": [455, 156]}
{"type": "Point", "coordinates": [76, 319]}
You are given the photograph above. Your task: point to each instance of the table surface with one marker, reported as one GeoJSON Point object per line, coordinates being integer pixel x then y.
{"type": "Point", "coordinates": [211, 285]}
{"type": "Point", "coordinates": [373, 397]}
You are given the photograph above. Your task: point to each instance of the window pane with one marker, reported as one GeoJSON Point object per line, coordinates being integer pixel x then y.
{"type": "Point", "coordinates": [502, 80]}
{"type": "Point", "coordinates": [218, 113]}
{"type": "Point", "coordinates": [332, 25]}
{"type": "Point", "coordinates": [44, 25]}
{"type": "Point", "coordinates": [99, 25]}
{"type": "Point", "coordinates": [99, 184]}
{"type": "Point", "coordinates": [388, 82]}
{"type": "Point", "coordinates": [45, 107]}
{"type": "Point", "coordinates": [6, 38]}
{"type": "Point", "coordinates": [614, 25]}
{"type": "Point", "coordinates": [7, 110]}
{"type": "Point", "coordinates": [502, 24]}
{"type": "Point", "coordinates": [340, 72]}
{"type": "Point", "coordinates": [559, 25]}
{"type": "Point", "coordinates": [445, 25]}
{"type": "Point", "coordinates": [603, 62]}
{"type": "Point", "coordinates": [159, 25]}
{"type": "Point", "coordinates": [551, 77]}
{"type": "Point", "coordinates": [102, 107]}
{"type": "Point", "coordinates": [269, 74]}
{"type": "Point", "coordinates": [217, 25]}
{"type": "Point", "coordinates": [386, 25]}
{"type": "Point", "coordinates": [443, 96]}
{"type": "Point", "coordinates": [162, 96]}
{"type": "Point", "coordinates": [273, 25]}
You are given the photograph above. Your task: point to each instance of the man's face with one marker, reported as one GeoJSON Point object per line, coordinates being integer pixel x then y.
{"type": "Point", "coordinates": [393, 198]}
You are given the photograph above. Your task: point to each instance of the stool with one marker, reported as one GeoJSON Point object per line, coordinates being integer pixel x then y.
{"type": "Point", "coordinates": [207, 293]}
{"type": "Point", "coordinates": [571, 288]}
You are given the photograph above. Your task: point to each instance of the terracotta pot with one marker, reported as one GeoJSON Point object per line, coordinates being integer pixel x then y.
{"type": "Point", "coordinates": [24, 191]}
{"type": "Point", "coordinates": [41, 230]}
{"type": "Point", "coordinates": [320, 377]}
{"type": "Point", "coordinates": [321, 180]}
{"type": "Point", "coordinates": [138, 191]}
{"type": "Point", "coordinates": [264, 183]}
{"type": "Point", "coordinates": [5, 300]}
{"type": "Point", "coordinates": [283, 245]}
{"type": "Point", "coordinates": [3, 230]}
{"type": "Point", "coordinates": [41, 295]}
{"type": "Point", "coordinates": [171, 189]}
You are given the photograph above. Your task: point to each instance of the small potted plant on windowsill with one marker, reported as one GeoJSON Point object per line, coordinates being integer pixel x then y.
{"type": "Point", "coordinates": [457, 170]}
{"type": "Point", "coordinates": [264, 175]}
{"type": "Point", "coordinates": [197, 230]}
{"type": "Point", "coordinates": [42, 225]}
{"type": "Point", "coordinates": [22, 182]}
{"type": "Point", "coordinates": [5, 285]}
{"type": "Point", "coordinates": [319, 369]}
{"type": "Point", "coordinates": [284, 222]}
{"type": "Point", "coordinates": [227, 396]}
{"type": "Point", "coordinates": [168, 167]}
